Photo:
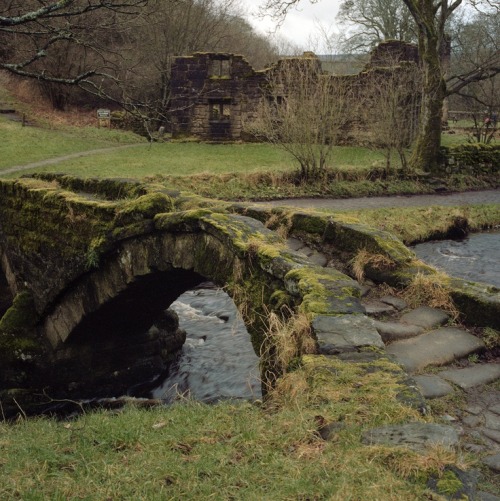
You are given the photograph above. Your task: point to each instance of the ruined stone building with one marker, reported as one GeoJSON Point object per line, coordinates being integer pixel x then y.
{"type": "Point", "coordinates": [215, 95]}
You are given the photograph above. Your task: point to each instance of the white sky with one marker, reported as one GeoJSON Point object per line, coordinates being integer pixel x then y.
{"type": "Point", "coordinates": [301, 26]}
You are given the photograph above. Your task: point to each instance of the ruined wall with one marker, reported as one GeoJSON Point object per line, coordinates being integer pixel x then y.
{"type": "Point", "coordinates": [214, 95]}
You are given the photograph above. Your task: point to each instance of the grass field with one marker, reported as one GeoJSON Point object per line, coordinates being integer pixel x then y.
{"type": "Point", "coordinates": [23, 145]}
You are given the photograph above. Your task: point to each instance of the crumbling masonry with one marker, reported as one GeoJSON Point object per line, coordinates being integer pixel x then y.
{"type": "Point", "coordinates": [214, 96]}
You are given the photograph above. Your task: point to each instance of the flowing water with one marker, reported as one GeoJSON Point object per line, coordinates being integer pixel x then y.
{"type": "Point", "coordinates": [475, 258]}
{"type": "Point", "coordinates": [217, 361]}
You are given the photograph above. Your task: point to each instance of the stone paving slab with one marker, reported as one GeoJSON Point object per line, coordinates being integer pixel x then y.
{"type": "Point", "coordinates": [344, 333]}
{"type": "Point", "coordinates": [397, 302]}
{"type": "Point", "coordinates": [374, 307]}
{"type": "Point", "coordinates": [416, 436]}
{"type": "Point", "coordinates": [471, 377]}
{"type": "Point", "coordinates": [438, 347]}
{"type": "Point", "coordinates": [394, 331]}
{"type": "Point", "coordinates": [493, 462]}
{"type": "Point", "coordinates": [425, 317]}
{"type": "Point", "coordinates": [433, 386]}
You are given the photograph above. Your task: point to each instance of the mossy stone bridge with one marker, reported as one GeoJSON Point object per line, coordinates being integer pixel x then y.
{"type": "Point", "coordinates": [88, 266]}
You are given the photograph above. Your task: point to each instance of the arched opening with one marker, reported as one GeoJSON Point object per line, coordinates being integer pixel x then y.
{"type": "Point", "coordinates": [134, 342]}
{"type": "Point", "coordinates": [217, 360]}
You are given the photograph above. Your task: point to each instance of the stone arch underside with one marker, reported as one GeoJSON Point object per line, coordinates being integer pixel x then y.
{"type": "Point", "coordinates": [98, 329]}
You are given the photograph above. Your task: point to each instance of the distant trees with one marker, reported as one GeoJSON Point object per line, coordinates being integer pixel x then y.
{"type": "Point", "coordinates": [170, 28]}
{"type": "Point", "coordinates": [388, 109]}
{"type": "Point", "coordinates": [369, 22]}
{"type": "Point", "coordinates": [431, 18]}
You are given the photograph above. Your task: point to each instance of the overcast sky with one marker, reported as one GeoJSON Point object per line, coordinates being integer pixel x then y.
{"type": "Point", "coordinates": [301, 24]}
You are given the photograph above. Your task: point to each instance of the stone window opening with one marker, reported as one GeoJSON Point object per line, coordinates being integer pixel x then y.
{"type": "Point", "coordinates": [220, 110]}
{"type": "Point", "coordinates": [220, 68]}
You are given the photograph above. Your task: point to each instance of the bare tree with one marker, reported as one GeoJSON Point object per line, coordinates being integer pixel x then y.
{"type": "Point", "coordinates": [388, 108]}
{"type": "Point", "coordinates": [32, 29]}
{"type": "Point", "coordinates": [304, 112]}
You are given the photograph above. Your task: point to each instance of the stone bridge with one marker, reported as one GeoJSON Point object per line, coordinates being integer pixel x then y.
{"type": "Point", "coordinates": [88, 266]}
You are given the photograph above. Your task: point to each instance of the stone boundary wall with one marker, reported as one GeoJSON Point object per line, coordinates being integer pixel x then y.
{"type": "Point", "coordinates": [473, 159]}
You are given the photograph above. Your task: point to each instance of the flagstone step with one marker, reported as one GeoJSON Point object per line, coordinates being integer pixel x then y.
{"type": "Point", "coordinates": [438, 347]}
{"type": "Point", "coordinates": [471, 377]}
{"type": "Point", "coordinates": [426, 317]}
{"type": "Point", "coordinates": [394, 331]}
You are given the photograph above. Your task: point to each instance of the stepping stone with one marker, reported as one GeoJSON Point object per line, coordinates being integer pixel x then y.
{"type": "Point", "coordinates": [486, 496]}
{"type": "Point", "coordinates": [438, 347]}
{"type": "Point", "coordinates": [425, 317]}
{"type": "Point", "coordinates": [471, 377]}
{"type": "Point", "coordinates": [397, 302]}
{"type": "Point", "coordinates": [295, 244]}
{"type": "Point", "coordinates": [318, 258]}
{"type": "Point", "coordinates": [491, 434]}
{"type": "Point", "coordinates": [345, 333]}
{"type": "Point", "coordinates": [416, 436]}
{"type": "Point", "coordinates": [433, 386]}
{"type": "Point", "coordinates": [377, 307]}
{"type": "Point", "coordinates": [394, 331]}
{"type": "Point", "coordinates": [493, 462]}
{"type": "Point", "coordinates": [495, 408]}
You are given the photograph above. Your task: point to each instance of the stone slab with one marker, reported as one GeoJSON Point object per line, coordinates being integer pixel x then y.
{"type": "Point", "coordinates": [471, 377]}
{"type": "Point", "coordinates": [486, 496]}
{"type": "Point", "coordinates": [340, 333]}
{"type": "Point", "coordinates": [295, 244]}
{"type": "Point", "coordinates": [425, 317]}
{"type": "Point", "coordinates": [493, 462]}
{"type": "Point", "coordinates": [416, 436]}
{"type": "Point", "coordinates": [491, 434]}
{"type": "Point", "coordinates": [438, 347]}
{"type": "Point", "coordinates": [374, 307]}
{"type": "Point", "coordinates": [394, 331]}
{"type": "Point", "coordinates": [397, 302]}
{"type": "Point", "coordinates": [433, 386]}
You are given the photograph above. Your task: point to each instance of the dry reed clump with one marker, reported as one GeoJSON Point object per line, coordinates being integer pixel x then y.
{"type": "Point", "coordinates": [430, 290]}
{"type": "Point", "coordinates": [410, 464]}
{"type": "Point", "coordinates": [288, 336]}
{"type": "Point", "coordinates": [363, 258]}
{"type": "Point", "coordinates": [281, 224]}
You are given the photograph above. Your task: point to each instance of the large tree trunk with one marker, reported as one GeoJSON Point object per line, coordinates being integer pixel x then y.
{"type": "Point", "coordinates": [426, 150]}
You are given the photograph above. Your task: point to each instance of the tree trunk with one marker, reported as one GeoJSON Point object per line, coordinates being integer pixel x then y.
{"type": "Point", "coordinates": [426, 150]}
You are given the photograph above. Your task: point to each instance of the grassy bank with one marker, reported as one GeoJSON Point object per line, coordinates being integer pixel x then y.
{"type": "Point", "coordinates": [228, 451]}
{"type": "Point", "coordinates": [418, 224]}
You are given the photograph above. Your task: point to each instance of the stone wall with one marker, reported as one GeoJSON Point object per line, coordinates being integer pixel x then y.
{"type": "Point", "coordinates": [213, 95]}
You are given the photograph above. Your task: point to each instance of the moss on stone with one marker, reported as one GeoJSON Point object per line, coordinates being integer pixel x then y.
{"type": "Point", "coordinates": [21, 316]}
{"type": "Point", "coordinates": [144, 207]}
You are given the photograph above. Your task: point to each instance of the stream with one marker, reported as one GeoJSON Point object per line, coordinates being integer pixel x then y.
{"type": "Point", "coordinates": [475, 258]}
{"type": "Point", "coordinates": [217, 361]}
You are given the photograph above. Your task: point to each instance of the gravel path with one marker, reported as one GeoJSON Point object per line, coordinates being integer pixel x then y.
{"type": "Point", "coordinates": [53, 161]}
{"type": "Point", "coordinates": [465, 198]}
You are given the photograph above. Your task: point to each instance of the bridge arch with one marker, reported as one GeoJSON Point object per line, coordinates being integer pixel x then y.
{"type": "Point", "coordinates": [97, 323]}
